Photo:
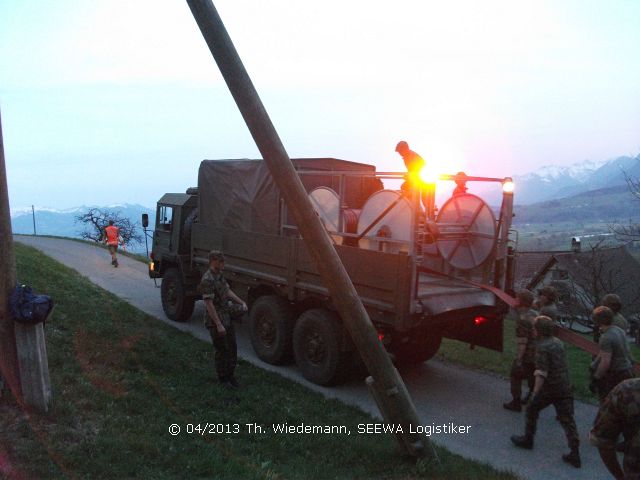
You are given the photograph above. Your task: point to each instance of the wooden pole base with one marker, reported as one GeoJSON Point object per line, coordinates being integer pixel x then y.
{"type": "Point", "coordinates": [34, 366]}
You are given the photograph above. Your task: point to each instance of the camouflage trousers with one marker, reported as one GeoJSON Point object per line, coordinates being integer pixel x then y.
{"type": "Point", "coordinates": [631, 462]}
{"type": "Point", "coordinates": [564, 411]}
{"type": "Point", "coordinates": [610, 381]}
{"type": "Point", "coordinates": [517, 375]}
{"type": "Point", "coordinates": [226, 351]}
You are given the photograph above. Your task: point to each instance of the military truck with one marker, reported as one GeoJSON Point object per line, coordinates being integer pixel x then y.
{"type": "Point", "coordinates": [422, 272]}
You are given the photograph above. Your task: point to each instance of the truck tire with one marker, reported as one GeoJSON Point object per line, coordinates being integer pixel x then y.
{"type": "Point", "coordinates": [271, 329]}
{"type": "Point", "coordinates": [414, 353]}
{"type": "Point", "coordinates": [176, 305]}
{"type": "Point", "coordinates": [316, 346]}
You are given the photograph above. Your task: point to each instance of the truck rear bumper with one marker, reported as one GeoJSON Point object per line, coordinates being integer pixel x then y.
{"type": "Point", "coordinates": [438, 295]}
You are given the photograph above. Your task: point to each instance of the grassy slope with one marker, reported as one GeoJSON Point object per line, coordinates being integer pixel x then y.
{"type": "Point", "coordinates": [120, 378]}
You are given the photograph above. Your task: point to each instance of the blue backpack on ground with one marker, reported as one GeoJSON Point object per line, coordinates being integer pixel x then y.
{"type": "Point", "coordinates": [27, 307]}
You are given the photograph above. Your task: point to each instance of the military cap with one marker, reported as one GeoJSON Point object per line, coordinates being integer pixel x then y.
{"type": "Point", "coordinates": [402, 146]}
{"type": "Point", "coordinates": [216, 255]}
{"type": "Point", "coordinates": [525, 297]}
{"type": "Point", "coordinates": [612, 301]}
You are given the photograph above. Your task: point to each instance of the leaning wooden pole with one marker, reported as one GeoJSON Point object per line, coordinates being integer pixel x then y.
{"type": "Point", "coordinates": [8, 351]}
{"type": "Point", "coordinates": [388, 388]}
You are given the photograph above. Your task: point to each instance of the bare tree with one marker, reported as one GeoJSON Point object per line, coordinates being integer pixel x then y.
{"type": "Point", "coordinates": [596, 272]}
{"type": "Point", "coordinates": [96, 219]}
{"type": "Point", "coordinates": [630, 232]}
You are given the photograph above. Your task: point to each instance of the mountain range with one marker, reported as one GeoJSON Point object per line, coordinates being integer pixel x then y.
{"type": "Point", "coordinates": [63, 223]}
{"type": "Point", "coordinates": [585, 192]}
{"type": "Point", "coordinates": [553, 182]}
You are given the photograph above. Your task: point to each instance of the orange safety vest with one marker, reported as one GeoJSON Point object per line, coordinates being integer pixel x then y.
{"type": "Point", "coordinates": [113, 233]}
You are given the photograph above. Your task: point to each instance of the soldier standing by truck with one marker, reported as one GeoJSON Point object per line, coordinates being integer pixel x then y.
{"type": "Point", "coordinates": [523, 365]}
{"type": "Point", "coordinates": [552, 387]}
{"type": "Point", "coordinates": [613, 363]}
{"type": "Point", "coordinates": [221, 305]}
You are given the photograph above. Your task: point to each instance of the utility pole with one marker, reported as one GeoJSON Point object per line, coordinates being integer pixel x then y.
{"type": "Point", "coordinates": [23, 354]}
{"type": "Point", "coordinates": [385, 382]}
{"type": "Point", "coordinates": [8, 350]}
{"type": "Point", "coordinates": [33, 214]}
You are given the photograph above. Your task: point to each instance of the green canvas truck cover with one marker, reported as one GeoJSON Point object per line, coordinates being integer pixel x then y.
{"type": "Point", "coordinates": [242, 195]}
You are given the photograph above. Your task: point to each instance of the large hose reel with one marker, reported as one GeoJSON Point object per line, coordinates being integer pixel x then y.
{"type": "Point", "coordinates": [465, 229]}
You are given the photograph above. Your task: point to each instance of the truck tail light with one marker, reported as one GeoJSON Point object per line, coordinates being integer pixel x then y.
{"type": "Point", "coordinates": [381, 336]}
{"type": "Point", "coordinates": [151, 256]}
{"type": "Point", "coordinates": [479, 320]}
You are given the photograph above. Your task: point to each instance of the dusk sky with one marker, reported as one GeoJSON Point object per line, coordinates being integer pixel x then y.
{"type": "Point", "coordinates": [114, 101]}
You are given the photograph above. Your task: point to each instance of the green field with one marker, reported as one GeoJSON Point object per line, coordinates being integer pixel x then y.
{"type": "Point", "coordinates": [120, 379]}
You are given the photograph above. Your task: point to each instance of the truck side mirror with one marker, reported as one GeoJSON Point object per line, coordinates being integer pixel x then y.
{"type": "Point", "coordinates": [145, 220]}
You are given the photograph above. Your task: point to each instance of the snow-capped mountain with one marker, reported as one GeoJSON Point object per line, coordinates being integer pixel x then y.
{"type": "Point", "coordinates": [554, 182]}
{"type": "Point", "coordinates": [578, 171]}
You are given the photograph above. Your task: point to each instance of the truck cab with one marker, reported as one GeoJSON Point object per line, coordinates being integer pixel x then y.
{"type": "Point", "coordinates": [171, 249]}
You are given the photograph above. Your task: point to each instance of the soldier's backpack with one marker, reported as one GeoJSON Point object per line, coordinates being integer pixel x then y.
{"type": "Point", "coordinates": [27, 307]}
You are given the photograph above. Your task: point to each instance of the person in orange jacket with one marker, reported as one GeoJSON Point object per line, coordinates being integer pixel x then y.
{"type": "Point", "coordinates": [112, 239]}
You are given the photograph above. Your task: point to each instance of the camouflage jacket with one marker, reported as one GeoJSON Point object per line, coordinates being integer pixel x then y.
{"type": "Point", "coordinates": [614, 341]}
{"type": "Point", "coordinates": [620, 414]}
{"type": "Point", "coordinates": [551, 363]}
{"type": "Point", "coordinates": [620, 321]}
{"type": "Point", "coordinates": [525, 334]}
{"type": "Point", "coordinates": [214, 286]}
{"type": "Point", "coordinates": [550, 311]}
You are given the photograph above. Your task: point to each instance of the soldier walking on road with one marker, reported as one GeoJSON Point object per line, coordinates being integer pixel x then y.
{"type": "Point", "coordinates": [221, 306]}
{"type": "Point", "coordinates": [552, 387]}
{"type": "Point", "coordinates": [619, 414]}
{"type": "Point", "coordinates": [546, 302]}
{"type": "Point", "coordinates": [613, 301]}
{"type": "Point", "coordinates": [523, 365]}
{"type": "Point", "coordinates": [613, 363]}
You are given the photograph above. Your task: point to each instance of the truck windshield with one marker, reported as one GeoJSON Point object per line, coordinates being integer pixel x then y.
{"type": "Point", "coordinates": [165, 217]}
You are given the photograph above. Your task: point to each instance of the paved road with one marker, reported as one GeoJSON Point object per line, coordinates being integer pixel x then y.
{"type": "Point", "coordinates": [442, 393]}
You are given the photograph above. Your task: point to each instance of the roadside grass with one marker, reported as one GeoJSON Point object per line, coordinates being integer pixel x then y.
{"type": "Point", "coordinates": [500, 363]}
{"type": "Point", "coordinates": [120, 378]}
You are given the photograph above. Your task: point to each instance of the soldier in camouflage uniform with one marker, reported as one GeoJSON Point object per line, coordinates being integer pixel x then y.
{"type": "Point", "coordinates": [552, 387]}
{"type": "Point", "coordinates": [613, 301]}
{"type": "Point", "coordinates": [614, 362]}
{"type": "Point", "coordinates": [546, 302]}
{"type": "Point", "coordinates": [221, 306]}
{"type": "Point", "coordinates": [619, 414]}
{"type": "Point", "coordinates": [523, 365]}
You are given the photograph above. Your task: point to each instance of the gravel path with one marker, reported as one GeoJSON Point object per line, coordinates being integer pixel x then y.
{"type": "Point", "coordinates": [442, 393]}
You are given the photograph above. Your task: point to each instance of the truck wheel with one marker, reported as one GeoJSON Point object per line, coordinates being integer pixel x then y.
{"type": "Point", "coordinates": [316, 346]}
{"type": "Point", "coordinates": [271, 329]}
{"type": "Point", "coordinates": [176, 305]}
{"type": "Point", "coordinates": [416, 353]}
